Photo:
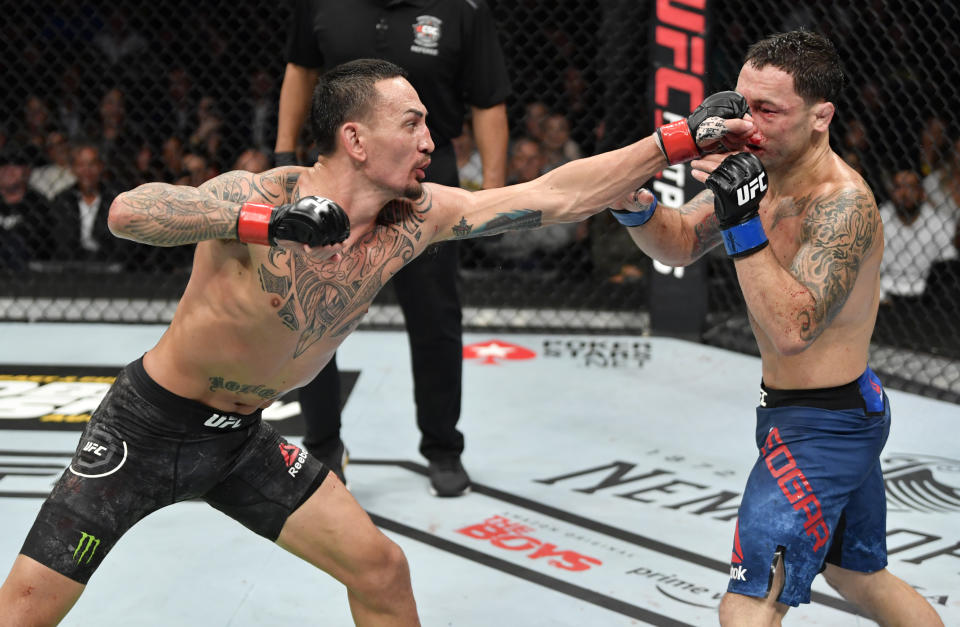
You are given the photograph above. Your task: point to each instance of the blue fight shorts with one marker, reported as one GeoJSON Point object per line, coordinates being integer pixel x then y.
{"type": "Point", "coordinates": [816, 493]}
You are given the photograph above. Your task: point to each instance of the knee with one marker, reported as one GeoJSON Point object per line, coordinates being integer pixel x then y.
{"type": "Point", "coordinates": [388, 571]}
{"type": "Point", "coordinates": [726, 612]}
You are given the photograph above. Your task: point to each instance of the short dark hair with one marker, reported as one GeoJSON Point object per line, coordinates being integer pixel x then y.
{"type": "Point", "coordinates": [807, 56]}
{"type": "Point", "coordinates": [344, 93]}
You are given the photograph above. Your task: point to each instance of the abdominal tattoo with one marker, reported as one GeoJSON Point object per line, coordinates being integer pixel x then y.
{"type": "Point", "coordinates": [217, 383]}
{"type": "Point", "coordinates": [328, 299]}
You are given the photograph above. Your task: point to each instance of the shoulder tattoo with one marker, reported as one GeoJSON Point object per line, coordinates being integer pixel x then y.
{"type": "Point", "coordinates": [837, 233]}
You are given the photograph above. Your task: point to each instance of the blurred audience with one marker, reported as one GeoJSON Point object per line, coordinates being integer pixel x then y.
{"type": "Point", "coordinates": [469, 163]}
{"type": "Point", "coordinates": [252, 160]}
{"type": "Point", "coordinates": [534, 114]}
{"type": "Point", "coordinates": [80, 212]}
{"type": "Point", "coordinates": [942, 185]}
{"type": "Point", "coordinates": [934, 145]}
{"type": "Point", "coordinates": [197, 169]}
{"type": "Point", "coordinates": [206, 136]}
{"type": "Point", "coordinates": [526, 160]}
{"type": "Point", "coordinates": [915, 237]}
{"type": "Point", "coordinates": [24, 213]}
{"type": "Point", "coordinates": [254, 122]}
{"type": "Point", "coordinates": [546, 250]}
{"type": "Point", "coordinates": [171, 159]}
{"type": "Point", "coordinates": [558, 148]}
{"type": "Point", "coordinates": [118, 140]}
{"type": "Point", "coordinates": [56, 175]}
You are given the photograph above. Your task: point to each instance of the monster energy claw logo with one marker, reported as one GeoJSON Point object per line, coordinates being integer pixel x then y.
{"type": "Point", "coordinates": [87, 543]}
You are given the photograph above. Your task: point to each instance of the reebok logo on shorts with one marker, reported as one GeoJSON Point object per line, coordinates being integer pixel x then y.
{"type": "Point", "coordinates": [293, 457]}
{"type": "Point", "coordinates": [737, 573]}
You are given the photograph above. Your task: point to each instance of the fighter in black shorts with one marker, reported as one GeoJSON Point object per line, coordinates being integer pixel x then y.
{"type": "Point", "coordinates": [145, 448]}
{"type": "Point", "coordinates": [286, 264]}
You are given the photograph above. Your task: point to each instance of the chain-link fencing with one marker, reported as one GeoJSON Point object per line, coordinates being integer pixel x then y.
{"type": "Point", "coordinates": [109, 95]}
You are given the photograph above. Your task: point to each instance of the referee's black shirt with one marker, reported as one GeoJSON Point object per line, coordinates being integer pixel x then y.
{"type": "Point", "coordinates": [449, 48]}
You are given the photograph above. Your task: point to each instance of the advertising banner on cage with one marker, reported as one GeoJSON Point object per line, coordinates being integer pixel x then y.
{"type": "Point", "coordinates": [678, 299]}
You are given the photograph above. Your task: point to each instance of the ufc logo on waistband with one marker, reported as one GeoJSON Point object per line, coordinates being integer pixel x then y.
{"type": "Point", "coordinates": [222, 422]}
{"type": "Point", "coordinates": [749, 191]}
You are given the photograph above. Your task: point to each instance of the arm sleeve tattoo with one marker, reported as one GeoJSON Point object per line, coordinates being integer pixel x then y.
{"type": "Point", "coordinates": [838, 233]}
{"type": "Point", "coordinates": [173, 215]}
{"type": "Point", "coordinates": [508, 221]}
{"type": "Point", "coordinates": [706, 232]}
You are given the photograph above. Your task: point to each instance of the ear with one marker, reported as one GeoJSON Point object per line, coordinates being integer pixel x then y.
{"type": "Point", "coordinates": [351, 137]}
{"type": "Point", "coordinates": [822, 116]}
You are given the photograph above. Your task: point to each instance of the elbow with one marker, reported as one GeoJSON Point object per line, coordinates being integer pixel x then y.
{"type": "Point", "coordinates": [118, 217]}
{"type": "Point", "coordinates": [792, 344]}
{"type": "Point", "coordinates": [675, 260]}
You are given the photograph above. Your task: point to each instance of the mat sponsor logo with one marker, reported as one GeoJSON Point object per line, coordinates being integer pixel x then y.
{"type": "Point", "coordinates": [510, 535]}
{"type": "Point", "coordinates": [921, 483]}
{"type": "Point", "coordinates": [679, 589]}
{"type": "Point", "coordinates": [492, 351]}
{"type": "Point", "coordinates": [50, 398]}
{"type": "Point", "coordinates": [64, 397]}
{"type": "Point", "coordinates": [294, 457]}
{"type": "Point", "coordinates": [86, 547]}
{"type": "Point", "coordinates": [599, 353]}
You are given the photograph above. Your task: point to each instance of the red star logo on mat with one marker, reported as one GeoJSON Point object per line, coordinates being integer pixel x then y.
{"type": "Point", "coordinates": [493, 350]}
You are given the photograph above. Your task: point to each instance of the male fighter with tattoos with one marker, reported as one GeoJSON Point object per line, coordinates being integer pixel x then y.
{"type": "Point", "coordinates": [806, 245]}
{"type": "Point", "coordinates": [286, 264]}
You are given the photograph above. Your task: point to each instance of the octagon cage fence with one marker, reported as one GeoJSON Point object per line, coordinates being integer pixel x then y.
{"type": "Point", "coordinates": [180, 91]}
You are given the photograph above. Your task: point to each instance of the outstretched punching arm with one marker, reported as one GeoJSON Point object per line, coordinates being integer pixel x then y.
{"type": "Point", "coordinates": [581, 188]}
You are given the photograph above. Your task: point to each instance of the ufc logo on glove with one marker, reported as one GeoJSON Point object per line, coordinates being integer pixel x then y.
{"type": "Point", "coordinates": [749, 191]}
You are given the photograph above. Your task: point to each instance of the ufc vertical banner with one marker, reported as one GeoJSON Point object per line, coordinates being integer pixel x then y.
{"type": "Point", "coordinates": [678, 296]}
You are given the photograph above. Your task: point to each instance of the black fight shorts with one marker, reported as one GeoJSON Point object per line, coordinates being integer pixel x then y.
{"type": "Point", "coordinates": [145, 448]}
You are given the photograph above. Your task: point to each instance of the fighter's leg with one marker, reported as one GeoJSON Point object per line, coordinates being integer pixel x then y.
{"type": "Point", "coordinates": [742, 610]}
{"type": "Point", "coordinates": [884, 597]}
{"type": "Point", "coordinates": [281, 492]}
{"type": "Point", "coordinates": [34, 595]}
{"type": "Point", "coordinates": [332, 532]}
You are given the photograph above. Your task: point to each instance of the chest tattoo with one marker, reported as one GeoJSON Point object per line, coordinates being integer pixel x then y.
{"type": "Point", "coordinates": [328, 299]}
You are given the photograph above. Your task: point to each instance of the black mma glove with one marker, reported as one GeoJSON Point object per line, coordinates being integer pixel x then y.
{"type": "Point", "coordinates": [284, 158]}
{"type": "Point", "coordinates": [312, 220]}
{"type": "Point", "coordinates": [739, 184]}
{"type": "Point", "coordinates": [681, 141]}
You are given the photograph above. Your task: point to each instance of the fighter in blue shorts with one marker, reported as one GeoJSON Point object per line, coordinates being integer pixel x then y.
{"type": "Point", "coordinates": [809, 501]}
{"type": "Point", "coordinates": [805, 238]}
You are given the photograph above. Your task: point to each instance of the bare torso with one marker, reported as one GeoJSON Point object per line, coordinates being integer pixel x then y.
{"type": "Point", "coordinates": [838, 354]}
{"type": "Point", "coordinates": [255, 322]}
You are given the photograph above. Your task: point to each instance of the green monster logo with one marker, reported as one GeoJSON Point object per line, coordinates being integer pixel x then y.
{"type": "Point", "coordinates": [87, 543]}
